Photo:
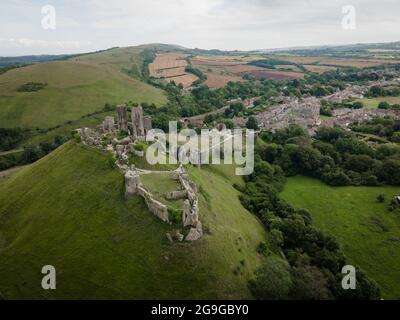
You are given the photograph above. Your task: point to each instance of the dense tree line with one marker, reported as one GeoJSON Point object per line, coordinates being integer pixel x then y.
{"type": "Point", "coordinates": [202, 99]}
{"type": "Point", "coordinates": [31, 154]}
{"type": "Point", "coordinates": [198, 73]}
{"type": "Point", "coordinates": [313, 261]}
{"type": "Point", "coordinates": [10, 138]}
{"type": "Point", "coordinates": [32, 87]}
{"type": "Point", "coordinates": [335, 156]}
{"type": "Point", "coordinates": [383, 127]}
{"type": "Point", "coordinates": [377, 91]}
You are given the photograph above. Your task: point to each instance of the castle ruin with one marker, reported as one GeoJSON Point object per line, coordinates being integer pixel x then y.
{"type": "Point", "coordinates": [122, 114]}
{"type": "Point", "coordinates": [122, 148]}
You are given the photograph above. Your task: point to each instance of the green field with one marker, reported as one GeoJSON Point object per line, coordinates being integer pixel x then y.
{"type": "Point", "coordinates": [68, 210]}
{"type": "Point", "coordinates": [74, 88]}
{"type": "Point", "coordinates": [160, 184]}
{"type": "Point", "coordinates": [368, 233]}
{"type": "Point", "coordinates": [372, 103]}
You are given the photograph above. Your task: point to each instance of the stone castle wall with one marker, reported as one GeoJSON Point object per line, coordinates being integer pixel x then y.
{"type": "Point", "coordinates": [190, 213]}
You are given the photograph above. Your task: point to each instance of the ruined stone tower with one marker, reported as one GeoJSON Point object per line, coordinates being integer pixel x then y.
{"type": "Point", "coordinates": [137, 122]}
{"type": "Point", "coordinates": [147, 123]}
{"type": "Point", "coordinates": [132, 183]}
{"type": "Point", "coordinates": [108, 124]}
{"type": "Point", "coordinates": [122, 114]}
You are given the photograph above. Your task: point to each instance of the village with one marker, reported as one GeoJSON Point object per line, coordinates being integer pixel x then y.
{"type": "Point", "coordinates": [305, 111]}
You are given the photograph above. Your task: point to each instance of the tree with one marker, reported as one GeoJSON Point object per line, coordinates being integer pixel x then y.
{"type": "Point", "coordinates": [31, 154]}
{"type": "Point", "coordinates": [272, 281]}
{"type": "Point", "coordinates": [229, 124]}
{"type": "Point", "coordinates": [358, 105]}
{"type": "Point", "coordinates": [380, 198]}
{"type": "Point", "coordinates": [390, 171]}
{"type": "Point", "coordinates": [396, 137]}
{"type": "Point", "coordinates": [366, 289]}
{"type": "Point", "coordinates": [309, 283]}
{"type": "Point", "coordinates": [330, 134]}
{"type": "Point", "coordinates": [252, 123]}
{"type": "Point", "coordinates": [384, 105]}
{"type": "Point", "coordinates": [359, 163]}
{"type": "Point", "coordinates": [386, 150]}
{"type": "Point", "coordinates": [276, 237]}
{"type": "Point", "coordinates": [337, 178]}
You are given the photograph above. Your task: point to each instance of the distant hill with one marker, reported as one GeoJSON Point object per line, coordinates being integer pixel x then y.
{"type": "Point", "coordinates": [75, 87]}
{"type": "Point", "coordinates": [339, 48]}
{"type": "Point", "coordinates": [22, 60]}
{"type": "Point", "coordinates": [68, 210]}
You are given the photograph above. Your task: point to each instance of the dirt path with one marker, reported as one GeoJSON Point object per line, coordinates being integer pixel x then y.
{"type": "Point", "coordinates": [11, 152]}
{"type": "Point", "coordinates": [7, 172]}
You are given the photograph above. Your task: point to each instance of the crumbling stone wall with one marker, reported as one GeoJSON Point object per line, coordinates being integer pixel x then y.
{"type": "Point", "coordinates": [176, 195]}
{"type": "Point", "coordinates": [190, 214]}
{"type": "Point", "coordinates": [159, 209]}
{"type": "Point", "coordinates": [133, 186]}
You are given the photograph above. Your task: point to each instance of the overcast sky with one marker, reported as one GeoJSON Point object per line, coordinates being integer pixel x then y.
{"type": "Point", "coordinates": [88, 25]}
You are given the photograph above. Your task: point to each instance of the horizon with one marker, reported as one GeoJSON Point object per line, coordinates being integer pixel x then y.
{"type": "Point", "coordinates": [194, 48]}
{"type": "Point", "coordinates": [212, 24]}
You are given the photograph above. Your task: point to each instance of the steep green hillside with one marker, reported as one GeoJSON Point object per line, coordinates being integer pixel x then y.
{"type": "Point", "coordinates": [368, 233]}
{"type": "Point", "coordinates": [68, 210]}
{"type": "Point", "coordinates": [74, 88]}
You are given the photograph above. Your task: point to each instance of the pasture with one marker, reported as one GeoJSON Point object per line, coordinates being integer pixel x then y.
{"type": "Point", "coordinates": [368, 233]}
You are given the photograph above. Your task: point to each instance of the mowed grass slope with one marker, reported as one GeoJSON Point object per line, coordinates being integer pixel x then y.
{"type": "Point", "coordinates": [75, 88]}
{"type": "Point", "coordinates": [68, 210]}
{"type": "Point", "coordinates": [368, 233]}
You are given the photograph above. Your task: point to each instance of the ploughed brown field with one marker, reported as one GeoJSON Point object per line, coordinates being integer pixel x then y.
{"type": "Point", "coordinates": [238, 69]}
{"type": "Point", "coordinates": [219, 80]}
{"type": "Point", "coordinates": [330, 61]}
{"type": "Point", "coordinates": [167, 60]}
{"type": "Point", "coordinates": [186, 80]}
{"type": "Point", "coordinates": [171, 67]}
{"type": "Point", "coordinates": [318, 69]}
{"type": "Point", "coordinates": [220, 69]}
{"type": "Point", "coordinates": [168, 73]}
{"type": "Point", "coordinates": [275, 75]}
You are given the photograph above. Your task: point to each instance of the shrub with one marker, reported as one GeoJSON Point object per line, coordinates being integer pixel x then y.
{"type": "Point", "coordinates": [262, 249]}
{"type": "Point", "coordinates": [32, 87]}
{"type": "Point", "coordinates": [277, 237]}
{"type": "Point", "coordinates": [111, 160]}
{"type": "Point", "coordinates": [272, 281]}
{"type": "Point", "coordinates": [77, 137]}
{"type": "Point", "coordinates": [252, 123]}
{"type": "Point", "coordinates": [11, 138]}
{"type": "Point", "coordinates": [175, 215]}
{"type": "Point", "coordinates": [139, 146]}
{"type": "Point", "coordinates": [380, 198]}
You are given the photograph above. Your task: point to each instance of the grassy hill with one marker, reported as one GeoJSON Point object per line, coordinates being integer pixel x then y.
{"type": "Point", "coordinates": [74, 88]}
{"type": "Point", "coordinates": [68, 210]}
{"type": "Point", "coordinates": [368, 233]}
